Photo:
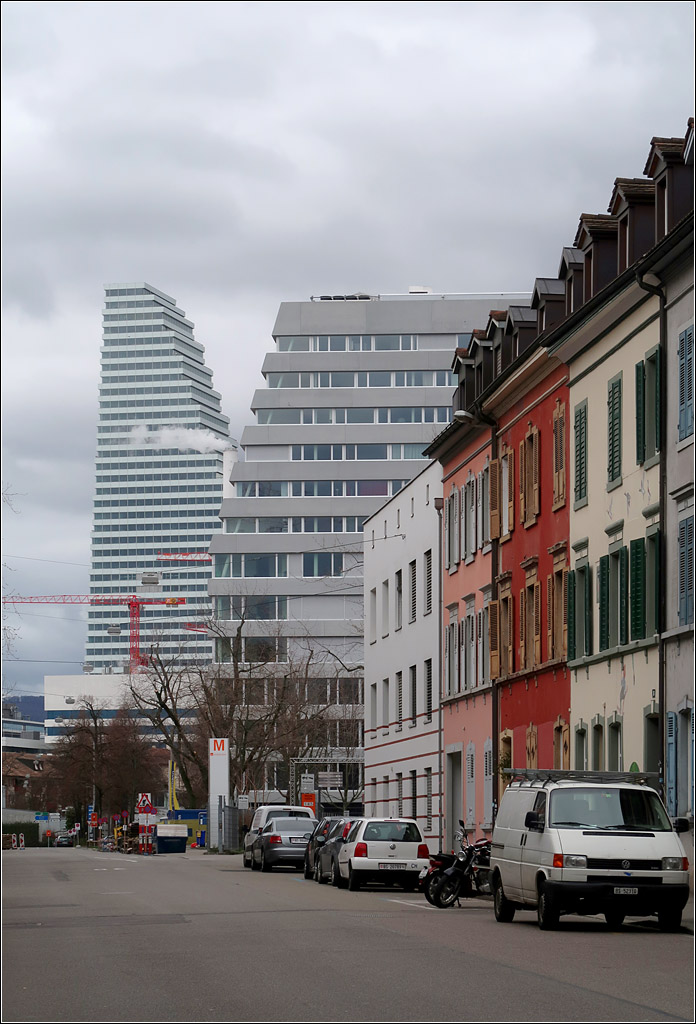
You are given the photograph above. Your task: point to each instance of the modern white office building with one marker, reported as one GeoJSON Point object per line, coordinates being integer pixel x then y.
{"type": "Point", "coordinates": [159, 477]}
{"type": "Point", "coordinates": [356, 387]}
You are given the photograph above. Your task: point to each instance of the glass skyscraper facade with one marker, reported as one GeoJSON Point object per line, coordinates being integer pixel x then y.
{"type": "Point", "coordinates": [159, 477]}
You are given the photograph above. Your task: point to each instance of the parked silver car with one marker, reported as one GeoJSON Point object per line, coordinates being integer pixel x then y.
{"type": "Point", "coordinates": [282, 841]}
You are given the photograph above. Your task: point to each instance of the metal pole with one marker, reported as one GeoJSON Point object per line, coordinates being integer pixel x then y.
{"type": "Point", "coordinates": [221, 848]}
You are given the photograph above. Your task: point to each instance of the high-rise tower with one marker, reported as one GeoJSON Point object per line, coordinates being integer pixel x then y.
{"type": "Point", "coordinates": [357, 386]}
{"type": "Point", "coordinates": [160, 441]}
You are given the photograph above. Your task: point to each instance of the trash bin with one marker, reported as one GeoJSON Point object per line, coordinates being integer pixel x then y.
{"type": "Point", "coordinates": [171, 838]}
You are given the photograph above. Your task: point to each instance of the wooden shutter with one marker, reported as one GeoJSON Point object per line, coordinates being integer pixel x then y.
{"type": "Point", "coordinates": [564, 598]}
{"type": "Point", "coordinates": [549, 617]}
{"type": "Point", "coordinates": [671, 759]}
{"type": "Point", "coordinates": [638, 589]}
{"type": "Point", "coordinates": [604, 602]}
{"type": "Point", "coordinates": [511, 635]}
{"type": "Point", "coordinates": [480, 672]}
{"type": "Point", "coordinates": [479, 510]}
{"type": "Point", "coordinates": [535, 471]}
{"type": "Point", "coordinates": [614, 439]}
{"type": "Point", "coordinates": [494, 639]}
{"type": "Point", "coordinates": [448, 668]}
{"type": "Point", "coordinates": [456, 526]}
{"type": "Point", "coordinates": [686, 383]}
{"type": "Point", "coordinates": [588, 610]}
{"type": "Point", "coordinates": [686, 571]}
{"type": "Point", "coordinates": [565, 741]}
{"type": "Point", "coordinates": [446, 529]}
{"type": "Point", "coordinates": [623, 595]}
{"type": "Point", "coordinates": [494, 498]}
{"type": "Point", "coordinates": [580, 452]}
{"type": "Point", "coordinates": [556, 455]}
{"type": "Point", "coordinates": [537, 623]}
{"type": "Point", "coordinates": [510, 511]}
{"type": "Point", "coordinates": [562, 455]}
{"type": "Point", "coordinates": [640, 412]}
{"type": "Point", "coordinates": [570, 616]}
{"type": "Point", "coordinates": [523, 482]}
{"type": "Point", "coordinates": [523, 624]}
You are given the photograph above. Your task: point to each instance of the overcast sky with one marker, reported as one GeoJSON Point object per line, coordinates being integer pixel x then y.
{"type": "Point", "coordinates": [237, 155]}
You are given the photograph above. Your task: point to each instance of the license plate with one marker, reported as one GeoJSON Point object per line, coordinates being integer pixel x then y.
{"type": "Point", "coordinates": [391, 867]}
{"type": "Point", "coordinates": [424, 872]}
{"type": "Point", "coordinates": [623, 890]}
{"type": "Point", "coordinates": [297, 839]}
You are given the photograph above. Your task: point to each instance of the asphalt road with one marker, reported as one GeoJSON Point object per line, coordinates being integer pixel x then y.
{"type": "Point", "coordinates": [191, 937]}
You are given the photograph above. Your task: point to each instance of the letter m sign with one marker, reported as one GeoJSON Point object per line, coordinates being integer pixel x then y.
{"type": "Point", "coordinates": [217, 747]}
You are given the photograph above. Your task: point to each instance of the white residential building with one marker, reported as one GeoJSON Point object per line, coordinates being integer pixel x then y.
{"type": "Point", "coordinates": [402, 611]}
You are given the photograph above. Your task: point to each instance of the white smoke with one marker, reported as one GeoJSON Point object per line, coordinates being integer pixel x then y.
{"type": "Point", "coordinates": [178, 437]}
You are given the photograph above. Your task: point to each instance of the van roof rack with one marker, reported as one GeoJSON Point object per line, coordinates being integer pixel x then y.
{"type": "Point", "coordinates": [570, 775]}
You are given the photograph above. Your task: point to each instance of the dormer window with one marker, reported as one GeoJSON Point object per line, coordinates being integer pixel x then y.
{"type": "Point", "coordinates": [587, 276]}
{"type": "Point", "coordinates": [661, 214]}
{"type": "Point", "coordinates": [569, 294]}
{"type": "Point", "coordinates": [623, 260]}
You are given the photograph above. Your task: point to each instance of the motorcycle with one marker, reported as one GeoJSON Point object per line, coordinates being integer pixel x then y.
{"type": "Point", "coordinates": [430, 876]}
{"type": "Point", "coordinates": [467, 876]}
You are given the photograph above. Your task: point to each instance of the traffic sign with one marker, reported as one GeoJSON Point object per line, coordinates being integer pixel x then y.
{"type": "Point", "coordinates": [330, 780]}
{"type": "Point", "coordinates": [94, 819]}
{"type": "Point", "coordinates": [144, 804]}
{"type": "Point", "coordinates": [243, 803]}
{"type": "Point", "coordinates": [306, 783]}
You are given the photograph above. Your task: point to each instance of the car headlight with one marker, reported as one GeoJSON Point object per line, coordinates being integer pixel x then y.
{"type": "Point", "coordinates": [671, 863]}
{"type": "Point", "coordinates": [574, 860]}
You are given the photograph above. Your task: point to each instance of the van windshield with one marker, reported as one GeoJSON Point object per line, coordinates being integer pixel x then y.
{"type": "Point", "coordinates": [608, 808]}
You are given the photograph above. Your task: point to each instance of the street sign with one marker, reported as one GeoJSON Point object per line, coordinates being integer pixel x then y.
{"type": "Point", "coordinates": [144, 804]}
{"type": "Point", "coordinates": [330, 780]}
{"type": "Point", "coordinates": [243, 803]}
{"type": "Point", "coordinates": [41, 816]}
{"type": "Point", "coordinates": [21, 840]}
{"type": "Point", "coordinates": [93, 819]}
{"type": "Point", "coordinates": [306, 783]}
{"type": "Point", "coordinates": [309, 800]}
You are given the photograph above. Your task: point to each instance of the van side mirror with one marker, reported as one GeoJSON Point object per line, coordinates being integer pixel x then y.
{"type": "Point", "coordinates": [531, 821]}
{"type": "Point", "coordinates": [680, 824]}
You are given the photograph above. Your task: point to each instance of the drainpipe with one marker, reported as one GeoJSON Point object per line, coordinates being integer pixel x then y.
{"type": "Point", "coordinates": [652, 284]}
{"type": "Point", "coordinates": [439, 503]}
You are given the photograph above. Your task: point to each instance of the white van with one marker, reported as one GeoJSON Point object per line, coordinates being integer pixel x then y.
{"type": "Point", "coordinates": [587, 843]}
{"type": "Point", "coordinates": [263, 814]}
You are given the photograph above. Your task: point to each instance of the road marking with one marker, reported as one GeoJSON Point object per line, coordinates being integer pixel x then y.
{"type": "Point", "coordinates": [115, 893]}
{"type": "Point", "coordinates": [408, 903]}
{"type": "Point", "coordinates": [101, 869]}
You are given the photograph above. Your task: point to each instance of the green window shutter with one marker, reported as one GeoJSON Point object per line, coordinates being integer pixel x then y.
{"type": "Point", "coordinates": [623, 595]}
{"type": "Point", "coordinates": [580, 452]}
{"type": "Point", "coordinates": [571, 615]}
{"type": "Point", "coordinates": [657, 582]}
{"type": "Point", "coordinates": [614, 435]}
{"type": "Point", "coordinates": [638, 589]}
{"type": "Point", "coordinates": [658, 400]}
{"type": "Point", "coordinates": [640, 412]}
{"type": "Point", "coordinates": [604, 602]}
{"type": "Point", "coordinates": [588, 610]}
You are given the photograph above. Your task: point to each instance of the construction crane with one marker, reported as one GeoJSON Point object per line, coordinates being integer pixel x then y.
{"type": "Point", "coordinates": [186, 556]}
{"type": "Point", "coordinates": [137, 660]}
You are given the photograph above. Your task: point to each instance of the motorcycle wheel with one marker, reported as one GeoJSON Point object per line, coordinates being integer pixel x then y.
{"type": "Point", "coordinates": [429, 886]}
{"type": "Point", "coordinates": [446, 892]}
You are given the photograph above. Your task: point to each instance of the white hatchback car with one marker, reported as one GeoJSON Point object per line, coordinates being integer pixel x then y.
{"type": "Point", "coordinates": [388, 850]}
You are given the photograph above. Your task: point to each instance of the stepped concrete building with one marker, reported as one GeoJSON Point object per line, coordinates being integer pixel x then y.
{"type": "Point", "coordinates": [159, 476]}
{"type": "Point", "coordinates": [356, 387]}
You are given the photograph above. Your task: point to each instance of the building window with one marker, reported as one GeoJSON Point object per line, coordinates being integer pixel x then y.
{"type": "Point", "coordinates": [428, 582]}
{"type": "Point", "coordinates": [400, 794]}
{"type": "Point", "coordinates": [648, 399]}
{"type": "Point", "coordinates": [470, 817]}
{"type": "Point", "coordinates": [322, 563]}
{"type": "Point", "coordinates": [506, 491]}
{"type": "Point", "coordinates": [559, 469]}
{"type": "Point", "coordinates": [398, 599]}
{"type": "Point", "coordinates": [506, 632]}
{"type": "Point", "coordinates": [488, 783]}
{"type": "Point", "coordinates": [557, 614]}
{"type": "Point", "coordinates": [686, 383]}
{"type": "Point", "coordinates": [614, 432]}
{"type": "Point", "coordinates": [613, 599]}
{"type": "Point", "coordinates": [580, 612]}
{"type": "Point", "coordinates": [385, 706]}
{"type": "Point", "coordinates": [399, 701]}
{"type": "Point", "coordinates": [468, 653]}
{"type": "Point", "coordinates": [428, 798]}
{"type": "Point", "coordinates": [412, 694]}
{"type": "Point", "coordinates": [413, 584]}
{"type": "Point", "coordinates": [580, 749]}
{"type": "Point", "coordinates": [385, 608]}
{"type": "Point", "coordinates": [452, 654]}
{"type": "Point", "coordinates": [428, 680]}
{"type": "Point", "coordinates": [373, 615]}
{"type": "Point", "coordinates": [529, 477]}
{"type": "Point", "coordinates": [686, 571]}
{"type": "Point", "coordinates": [530, 624]}
{"type": "Point", "coordinates": [414, 794]}
{"type": "Point", "coordinates": [373, 707]}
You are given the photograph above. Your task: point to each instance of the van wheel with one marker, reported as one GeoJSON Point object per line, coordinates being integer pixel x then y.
{"type": "Point", "coordinates": [503, 909]}
{"type": "Point", "coordinates": [548, 913]}
{"type": "Point", "coordinates": [669, 920]}
{"type": "Point", "coordinates": [614, 919]}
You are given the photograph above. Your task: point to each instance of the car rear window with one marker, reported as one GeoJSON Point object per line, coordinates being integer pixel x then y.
{"type": "Point", "coordinates": [392, 832]}
{"type": "Point", "coordinates": [288, 825]}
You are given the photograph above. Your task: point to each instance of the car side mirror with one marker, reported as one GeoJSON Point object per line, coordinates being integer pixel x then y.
{"type": "Point", "coordinates": [308, 835]}
{"type": "Point", "coordinates": [320, 839]}
{"type": "Point", "coordinates": [531, 821]}
{"type": "Point", "coordinates": [680, 824]}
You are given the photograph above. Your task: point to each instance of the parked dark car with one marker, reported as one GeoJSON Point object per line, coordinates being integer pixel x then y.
{"type": "Point", "coordinates": [282, 841]}
{"type": "Point", "coordinates": [327, 859]}
{"type": "Point", "coordinates": [317, 840]}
